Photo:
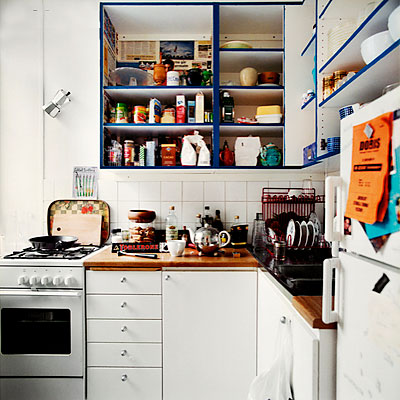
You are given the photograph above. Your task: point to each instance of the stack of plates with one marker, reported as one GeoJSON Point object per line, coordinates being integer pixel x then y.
{"type": "Point", "coordinates": [334, 144]}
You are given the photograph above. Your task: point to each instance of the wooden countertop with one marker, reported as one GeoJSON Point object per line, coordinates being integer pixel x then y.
{"type": "Point", "coordinates": [106, 260]}
{"type": "Point", "coordinates": [310, 308]}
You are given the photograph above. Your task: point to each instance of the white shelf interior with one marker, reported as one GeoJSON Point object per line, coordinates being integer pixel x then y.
{"type": "Point", "coordinates": [234, 61]}
{"type": "Point", "coordinates": [140, 130]}
{"type": "Point", "coordinates": [254, 130]}
{"type": "Point", "coordinates": [254, 97]}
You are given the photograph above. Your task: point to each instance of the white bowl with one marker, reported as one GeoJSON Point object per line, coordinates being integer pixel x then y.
{"type": "Point", "coordinates": [376, 44]}
{"type": "Point", "coordinates": [394, 24]}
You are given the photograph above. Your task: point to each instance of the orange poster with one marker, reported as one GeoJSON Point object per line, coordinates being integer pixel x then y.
{"type": "Point", "coordinates": [368, 191]}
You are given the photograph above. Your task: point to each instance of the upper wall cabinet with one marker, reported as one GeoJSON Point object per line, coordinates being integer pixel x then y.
{"type": "Point", "coordinates": [146, 111]}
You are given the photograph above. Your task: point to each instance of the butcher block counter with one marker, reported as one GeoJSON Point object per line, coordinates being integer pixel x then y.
{"type": "Point", "coordinates": [106, 260]}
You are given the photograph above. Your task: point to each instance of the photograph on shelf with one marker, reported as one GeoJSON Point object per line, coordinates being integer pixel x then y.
{"type": "Point", "coordinates": [177, 50]}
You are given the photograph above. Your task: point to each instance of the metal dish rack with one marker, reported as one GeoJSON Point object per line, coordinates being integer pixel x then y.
{"type": "Point", "coordinates": [276, 201]}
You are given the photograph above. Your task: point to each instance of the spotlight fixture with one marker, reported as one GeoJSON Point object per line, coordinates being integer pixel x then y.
{"type": "Point", "coordinates": [54, 106]}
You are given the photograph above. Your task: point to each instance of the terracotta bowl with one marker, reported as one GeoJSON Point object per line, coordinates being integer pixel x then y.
{"type": "Point", "coordinates": [145, 216]}
{"type": "Point", "coordinates": [268, 77]}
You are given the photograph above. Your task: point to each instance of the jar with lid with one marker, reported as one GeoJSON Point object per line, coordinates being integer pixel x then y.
{"type": "Point", "coordinates": [116, 235]}
{"type": "Point", "coordinates": [129, 153]}
{"type": "Point", "coordinates": [141, 228]}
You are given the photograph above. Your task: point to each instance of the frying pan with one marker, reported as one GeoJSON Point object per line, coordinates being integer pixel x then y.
{"type": "Point", "coordinates": [53, 242]}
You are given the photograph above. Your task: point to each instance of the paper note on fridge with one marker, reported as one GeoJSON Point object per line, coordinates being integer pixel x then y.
{"type": "Point", "coordinates": [368, 190]}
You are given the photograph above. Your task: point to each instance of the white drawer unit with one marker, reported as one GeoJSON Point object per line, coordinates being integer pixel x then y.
{"type": "Point", "coordinates": [124, 306]}
{"type": "Point", "coordinates": [129, 282]}
{"type": "Point", "coordinates": [124, 383]}
{"type": "Point", "coordinates": [122, 331]}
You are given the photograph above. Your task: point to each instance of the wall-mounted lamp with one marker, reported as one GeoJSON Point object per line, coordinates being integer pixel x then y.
{"type": "Point", "coordinates": [54, 107]}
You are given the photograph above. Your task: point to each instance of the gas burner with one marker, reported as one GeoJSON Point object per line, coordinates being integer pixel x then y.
{"type": "Point", "coordinates": [72, 253]}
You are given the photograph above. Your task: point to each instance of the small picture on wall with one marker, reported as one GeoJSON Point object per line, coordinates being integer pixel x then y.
{"type": "Point", "coordinates": [177, 50]}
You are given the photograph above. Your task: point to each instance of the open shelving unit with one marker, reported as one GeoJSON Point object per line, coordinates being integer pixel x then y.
{"type": "Point", "coordinates": [216, 24]}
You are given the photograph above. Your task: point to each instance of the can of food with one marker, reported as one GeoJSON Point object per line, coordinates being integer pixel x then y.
{"type": "Point", "coordinates": [172, 78]}
{"type": "Point", "coordinates": [129, 153]}
{"type": "Point", "coordinates": [121, 113]}
{"type": "Point", "coordinates": [139, 115]}
{"type": "Point", "coordinates": [112, 115]}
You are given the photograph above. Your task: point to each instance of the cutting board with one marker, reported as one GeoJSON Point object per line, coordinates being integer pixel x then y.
{"type": "Point", "coordinates": [86, 227]}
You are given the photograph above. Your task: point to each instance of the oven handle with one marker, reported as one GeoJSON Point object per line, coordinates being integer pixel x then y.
{"type": "Point", "coordinates": [56, 293]}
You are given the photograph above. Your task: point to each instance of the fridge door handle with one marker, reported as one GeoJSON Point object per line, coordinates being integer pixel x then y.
{"type": "Point", "coordinates": [333, 231]}
{"type": "Point", "coordinates": [330, 315]}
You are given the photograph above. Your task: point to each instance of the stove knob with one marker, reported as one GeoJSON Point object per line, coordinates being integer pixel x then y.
{"type": "Point", "coordinates": [69, 281]}
{"type": "Point", "coordinates": [46, 280]}
{"type": "Point", "coordinates": [58, 280]}
{"type": "Point", "coordinates": [23, 280]}
{"type": "Point", "coordinates": [34, 280]}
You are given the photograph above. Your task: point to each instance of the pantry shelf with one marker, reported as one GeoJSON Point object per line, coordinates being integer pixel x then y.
{"type": "Point", "coordinates": [348, 56]}
{"type": "Point", "coordinates": [367, 84]}
{"type": "Point", "coordinates": [309, 101]}
{"type": "Point", "coordinates": [157, 129]}
{"type": "Point", "coordinates": [308, 45]}
{"type": "Point", "coordinates": [255, 95]}
{"type": "Point", "coordinates": [233, 60]}
{"type": "Point", "coordinates": [264, 130]}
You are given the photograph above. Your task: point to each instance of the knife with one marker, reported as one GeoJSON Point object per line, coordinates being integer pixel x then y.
{"type": "Point", "coordinates": [143, 255]}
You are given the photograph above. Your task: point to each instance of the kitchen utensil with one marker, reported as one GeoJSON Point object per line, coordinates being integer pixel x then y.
{"type": "Point", "coordinates": [270, 155]}
{"type": "Point", "coordinates": [394, 24]}
{"type": "Point", "coordinates": [159, 74]}
{"type": "Point", "coordinates": [248, 76]}
{"type": "Point", "coordinates": [142, 255]}
{"type": "Point", "coordinates": [176, 247]}
{"type": "Point", "coordinates": [236, 44]}
{"type": "Point", "coordinates": [122, 76]}
{"type": "Point", "coordinates": [208, 240]}
{"type": "Point", "coordinates": [271, 235]}
{"type": "Point", "coordinates": [53, 242]}
{"type": "Point", "coordinates": [279, 250]}
{"type": "Point", "coordinates": [226, 156]}
{"type": "Point", "coordinates": [86, 227]}
{"type": "Point", "coordinates": [374, 45]}
{"type": "Point", "coordinates": [268, 77]}
{"type": "Point", "coordinates": [239, 233]}
{"type": "Point", "coordinates": [145, 216]}
{"type": "Point", "coordinates": [259, 234]}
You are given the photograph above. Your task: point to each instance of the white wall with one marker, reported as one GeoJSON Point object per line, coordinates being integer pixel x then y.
{"type": "Point", "coordinates": [38, 153]}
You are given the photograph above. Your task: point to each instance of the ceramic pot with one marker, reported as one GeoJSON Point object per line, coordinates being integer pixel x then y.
{"type": "Point", "coordinates": [159, 74]}
{"type": "Point", "coordinates": [248, 76]}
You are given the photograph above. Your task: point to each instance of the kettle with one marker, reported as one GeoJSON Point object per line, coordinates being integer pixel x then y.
{"type": "Point", "coordinates": [208, 240]}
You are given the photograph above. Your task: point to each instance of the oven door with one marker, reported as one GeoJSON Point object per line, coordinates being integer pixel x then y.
{"type": "Point", "coordinates": [41, 333]}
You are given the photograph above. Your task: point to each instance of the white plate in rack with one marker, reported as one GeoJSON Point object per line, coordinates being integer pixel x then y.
{"type": "Point", "coordinates": [304, 235]}
{"type": "Point", "coordinates": [311, 237]}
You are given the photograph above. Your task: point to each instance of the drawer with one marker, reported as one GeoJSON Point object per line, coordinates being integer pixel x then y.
{"type": "Point", "coordinates": [124, 306]}
{"type": "Point", "coordinates": [130, 282]}
{"type": "Point", "coordinates": [123, 331]}
{"type": "Point", "coordinates": [124, 355]}
{"type": "Point", "coordinates": [124, 383]}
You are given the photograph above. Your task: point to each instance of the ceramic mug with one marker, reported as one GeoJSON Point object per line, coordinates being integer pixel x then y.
{"type": "Point", "coordinates": [176, 247]}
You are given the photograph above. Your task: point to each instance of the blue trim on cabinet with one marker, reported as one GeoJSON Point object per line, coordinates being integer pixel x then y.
{"type": "Point", "coordinates": [216, 106]}
{"type": "Point", "coordinates": [308, 102]}
{"type": "Point", "coordinates": [250, 125]}
{"type": "Point", "coordinates": [261, 50]}
{"type": "Point", "coordinates": [101, 87]}
{"type": "Point", "coordinates": [317, 145]}
{"type": "Point", "coordinates": [314, 36]}
{"type": "Point", "coordinates": [208, 3]}
{"type": "Point", "coordinates": [158, 87]}
{"type": "Point", "coordinates": [354, 34]}
{"type": "Point", "coordinates": [141, 126]}
{"type": "Point", "coordinates": [259, 87]}
{"type": "Point", "coordinates": [325, 8]}
{"type": "Point", "coordinates": [284, 83]}
{"type": "Point", "coordinates": [391, 48]}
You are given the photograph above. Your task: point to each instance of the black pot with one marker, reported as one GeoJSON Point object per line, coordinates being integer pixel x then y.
{"type": "Point", "coordinates": [53, 242]}
{"type": "Point", "coordinates": [194, 77]}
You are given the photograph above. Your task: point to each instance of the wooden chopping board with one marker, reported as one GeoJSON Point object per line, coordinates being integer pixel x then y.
{"type": "Point", "coordinates": [86, 227]}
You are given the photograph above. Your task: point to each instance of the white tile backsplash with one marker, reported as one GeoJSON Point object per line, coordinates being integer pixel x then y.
{"type": "Point", "coordinates": [128, 191]}
{"type": "Point", "coordinates": [171, 191]}
{"type": "Point", "coordinates": [216, 205]}
{"type": "Point", "coordinates": [253, 207]}
{"type": "Point", "coordinates": [233, 208]}
{"type": "Point", "coordinates": [193, 191]}
{"type": "Point", "coordinates": [149, 191]}
{"type": "Point", "coordinates": [235, 191]}
{"type": "Point", "coordinates": [165, 205]}
{"type": "Point", "coordinates": [214, 191]}
{"type": "Point", "coordinates": [123, 209]}
{"type": "Point", "coordinates": [152, 205]}
{"type": "Point", "coordinates": [190, 209]}
{"type": "Point", "coordinates": [113, 204]}
{"type": "Point", "coordinates": [254, 190]}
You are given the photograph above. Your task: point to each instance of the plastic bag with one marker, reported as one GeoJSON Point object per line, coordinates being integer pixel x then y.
{"type": "Point", "coordinates": [274, 384]}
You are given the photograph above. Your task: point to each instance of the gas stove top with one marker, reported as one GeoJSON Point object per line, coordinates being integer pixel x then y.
{"type": "Point", "coordinates": [72, 253]}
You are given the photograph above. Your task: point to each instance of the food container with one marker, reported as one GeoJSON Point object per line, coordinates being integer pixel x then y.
{"type": "Point", "coordinates": [121, 113]}
{"type": "Point", "coordinates": [375, 45]}
{"type": "Point", "coordinates": [168, 155]}
{"type": "Point", "coordinates": [264, 110]}
{"type": "Point", "coordinates": [141, 229]}
{"type": "Point", "coordinates": [268, 77]}
{"type": "Point", "coordinates": [129, 153]}
{"type": "Point", "coordinates": [139, 114]}
{"type": "Point", "coordinates": [269, 118]}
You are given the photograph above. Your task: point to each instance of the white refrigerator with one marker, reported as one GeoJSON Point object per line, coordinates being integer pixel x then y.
{"type": "Point", "coordinates": [366, 290]}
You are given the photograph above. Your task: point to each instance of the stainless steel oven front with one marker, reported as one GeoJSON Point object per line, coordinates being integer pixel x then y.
{"type": "Point", "coordinates": [41, 332]}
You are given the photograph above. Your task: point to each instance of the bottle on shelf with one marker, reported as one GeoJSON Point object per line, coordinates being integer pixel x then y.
{"type": "Point", "coordinates": [239, 233]}
{"type": "Point", "coordinates": [198, 223]}
{"type": "Point", "coordinates": [217, 224]}
{"type": "Point", "coordinates": [171, 231]}
{"type": "Point", "coordinates": [207, 219]}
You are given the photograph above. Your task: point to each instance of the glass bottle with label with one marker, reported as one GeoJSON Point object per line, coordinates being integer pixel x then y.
{"type": "Point", "coordinates": [171, 231]}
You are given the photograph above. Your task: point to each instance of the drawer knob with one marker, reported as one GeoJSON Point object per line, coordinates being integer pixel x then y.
{"type": "Point", "coordinates": [123, 279]}
{"type": "Point", "coordinates": [124, 328]}
{"type": "Point", "coordinates": [283, 319]}
{"type": "Point", "coordinates": [123, 304]}
{"type": "Point", "coordinates": [124, 353]}
{"type": "Point", "coordinates": [167, 277]}
{"type": "Point", "coordinates": [124, 378]}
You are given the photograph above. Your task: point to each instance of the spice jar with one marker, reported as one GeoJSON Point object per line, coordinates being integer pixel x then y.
{"type": "Point", "coordinates": [129, 153]}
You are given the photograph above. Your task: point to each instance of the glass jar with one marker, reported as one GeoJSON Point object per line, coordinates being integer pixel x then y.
{"type": "Point", "coordinates": [116, 236]}
{"type": "Point", "coordinates": [129, 153]}
{"type": "Point", "coordinates": [141, 232]}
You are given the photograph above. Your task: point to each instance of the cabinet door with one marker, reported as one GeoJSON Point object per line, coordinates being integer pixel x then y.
{"type": "Point", "coordinates": [209, 328]}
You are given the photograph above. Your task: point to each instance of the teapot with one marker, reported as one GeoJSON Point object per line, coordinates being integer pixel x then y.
{"type": "Point", "coordinates": [226, 156]}
{"type": "Point", "coordinates": [208, 240]}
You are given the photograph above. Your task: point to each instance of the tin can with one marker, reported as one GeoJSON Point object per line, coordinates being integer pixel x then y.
{"type": "Point", "coordinates": [139, 115]}
{"type": "Point", "coordinates": [129, 153]}
{"type": "Point", "coordinates": [121, 113]}
{"type": "Point", "coordinates": [112, 115]}
{"type": "Point", "coordinates": [279, 250]}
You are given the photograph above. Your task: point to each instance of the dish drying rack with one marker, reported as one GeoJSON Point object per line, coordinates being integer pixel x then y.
{"type": "Point", "coordinates": [276, 201]}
